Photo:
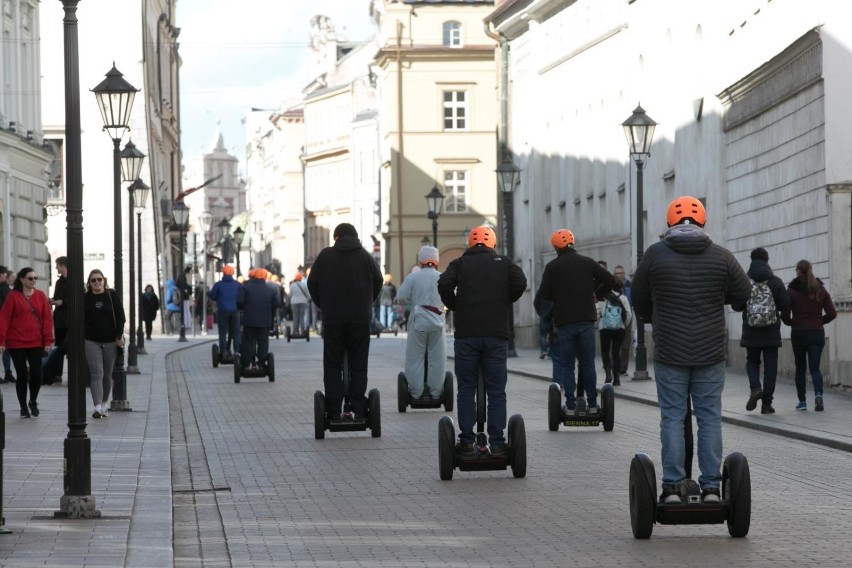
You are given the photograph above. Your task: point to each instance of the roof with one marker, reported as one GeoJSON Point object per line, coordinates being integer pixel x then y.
{"type": "Point", "coordinates": [448, 1]}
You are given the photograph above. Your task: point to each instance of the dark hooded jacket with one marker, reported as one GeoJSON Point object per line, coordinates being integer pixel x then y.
{"type": "Point", "coordinates": [681, 287]}
{"type": "Point", "coordinates": [480, 287]}
{"type": "Point", "coordinates": [769, 336]}
{"type": "Point", "coordinates": [571, 281]}
{"type": "Point", "coordinates": [344, 282]}
{"type": "Point", "coordinates": [224, 293]}
{"type": "Point", "coordinates": [258, 302]}
{"type": "Point", "coordinates": [808, 316]}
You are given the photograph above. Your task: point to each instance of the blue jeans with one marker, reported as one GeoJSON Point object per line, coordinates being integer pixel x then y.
{"type": "Point", "coordinates": [488, 354]}
{"type": "Point", "coordinates": [807, 352]}
{"type": "Point", "coordinates": [704, 384]}
{"type": "Point", "coordinates": [576, 339]}
{"type": "Point", "coordinates": [387, 316]}
{"type": "Point", "coordinates": [229, 326]}
{"type": "Point", "coordinates": [543, 330]}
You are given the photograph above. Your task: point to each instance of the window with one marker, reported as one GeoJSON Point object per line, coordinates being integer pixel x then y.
{"type": "Point", "coordinates": [455, 110]}
{"type": "Point", "coordinates": [455, 189]}
{"type": "Point", "coordinates": [452, 34]}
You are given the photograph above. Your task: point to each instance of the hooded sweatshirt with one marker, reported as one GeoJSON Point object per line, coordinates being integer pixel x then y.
{"type": "Point", "coordinates": [224, 293]}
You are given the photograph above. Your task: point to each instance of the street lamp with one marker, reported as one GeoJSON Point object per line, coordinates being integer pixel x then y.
{"type": "Point", "coordinates": [508, 177]}
{"type": "Point", "coordinates": [77, 500]}
{"type": "Point", "coordinates": [140, 193]}
{"type": "Point", "coordinates": [204, 222]}
{"type": "Point", "coordinates": [115, 100]}
{"type": "Point", "coordinates": [225, 228]}
{"type": "Point", "coordinates": [181, 216]}
{"type": "Point", "coordinates": [639, 130]}
{"type": "Point", "coordinates": [435, 200]}
{"type": "Point", "coordinates": [239, 234]}
{"type": "Point", "coordinates": [131, 165]}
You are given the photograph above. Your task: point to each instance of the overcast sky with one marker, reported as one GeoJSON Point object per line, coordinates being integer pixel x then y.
{"type": "Point", "coordinates": [246, 54]}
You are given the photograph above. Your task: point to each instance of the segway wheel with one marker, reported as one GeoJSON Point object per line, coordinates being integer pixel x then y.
{"type": "Point", "coordinates": [446, 448]}
{"type": "Point", "coordinates": [238, 371]}
{"type": "Point", "coordinates": [554, 407]}
{"type": "Point", "coordinates": [736, 488]}
{"type": "Point", "coordinates": [215, 350]}
{"type": "Point", "coordinates": [518, 446]}
{"type": "Point", "coordinates": [374, 408]}
{"type": "Point", "coordinates": [270, 367]}
{"type": "Point", "coordinates": [401, 392]}
{"type": "Point", "coordinates": [449, 394]}
{"type": "Point", "coordinates": [319, 415]}
{"type": "Point", "coordinates": [608, 402]}
{"type": "Point", "coordinates": [287, 333]}
{"type": "Point", "coordinates": [643, 499]}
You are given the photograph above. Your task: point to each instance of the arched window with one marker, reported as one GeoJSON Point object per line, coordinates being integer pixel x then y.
{"type": "Point", "coordinates": [452, 34]}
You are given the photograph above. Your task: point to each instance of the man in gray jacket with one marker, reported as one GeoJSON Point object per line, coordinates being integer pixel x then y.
{"type": "Point", "coordinates": [681, 286]}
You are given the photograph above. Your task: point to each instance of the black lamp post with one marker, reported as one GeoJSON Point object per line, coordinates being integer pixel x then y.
{"type": "Point", "coordinates": [508, 177]}
{"type": "Point", "coordinates": [204, 222]}
{"type": "Point", "coordinates": [225, 228]}
{"type": "Point", "coordinates": [239, 234]}
{"type": "Point", "coordinates": [639, 129]}
{"type": "Point", "coordinates": [435, 199]}
{"type": "Point", "coordinates": [131, 165]}
{"type": "Point", "coordinates": [181, 215]}
{"type": "Point", "coordinates": [140, 193]}
{"type": "Point", "coordinates": [77, 500]}
{"type": "Point", "coordinates": [115, 100]}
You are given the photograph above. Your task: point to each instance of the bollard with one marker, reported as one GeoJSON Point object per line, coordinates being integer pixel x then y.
{"type": "Point", "coordinates": [3, 529]}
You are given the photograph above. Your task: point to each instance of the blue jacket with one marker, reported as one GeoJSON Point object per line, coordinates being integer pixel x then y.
{"type": "Point", "coordinates": [224, 293]}
{"type": "Point", "coordinates": [258, 302]}
{"type": "Point", "coordinates": [171, 305]}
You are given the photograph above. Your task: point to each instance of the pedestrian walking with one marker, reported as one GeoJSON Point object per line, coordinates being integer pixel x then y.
{"type": "Point", "coordinates": [480, 287]}
{"type": "Point", "coordinates": [26, 331]}
{"type": "Point", "coordinates": [615, 316]}
{"type": "Point", "coordinates": [149, 306]}
{"type": "Point", "coordinates": [53, 367]}
{"type": "Point", "coordinates": [257, 300]}
{"type": "Point", "coordinates": [387, 296]}
{"type": "Point", "coordinates": [761, 331]}
{"type": "Point", "coordinates": [5, 288]}
{"type": "Point", "coordinates": [426, 344]}
{"type": "Point", "coordinates": [174, 307]}
{"type": "Point", "coordinates": [627, 343]}
{"type": "Point", "coordinates": [571, 282]}
{"type": "Point", "coordinates": [225, 293]}
{"type": "Point", "coordinates": [299, 300]}
{"type": "Point", "coordinates": [344, 282]}
{"type": "Point", "coordinates": [811, 308]}
{"type": "Point", "coordinates": [104, 336]}
{"type": "Point", "coordinates": [681, 286]}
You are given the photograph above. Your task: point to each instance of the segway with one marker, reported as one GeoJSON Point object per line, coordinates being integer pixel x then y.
{"type": "Point", "coordinates": [580, 416]}
{"type": "Point", "coordinates": [347, 422]}
{"type": "Point", "coordinates": [288, 334]}
{"type": "Point", "coordinates": [221, 357]}
{"type": "Point", "coordinates": [734, 508]}
{"type": "Point", "coordinates": [404, 398]}
{"type": "Point", "coordinates": [482, 460]}
{"type": "Point", "coordinates": [254, 370]}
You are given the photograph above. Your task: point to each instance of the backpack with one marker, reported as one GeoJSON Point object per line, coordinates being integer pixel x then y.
{"type": "Point", "coordinates": [613, 314]}
{"type": "Point", "coordinates": [176, 297]}
{"type": "Point", "coordinates": [760, 308]}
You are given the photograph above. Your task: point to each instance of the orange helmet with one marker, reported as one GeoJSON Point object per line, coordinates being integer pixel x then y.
{"type": "Point", "coordinates": [482, 235]}
{"type": "Point", "coordinates": [298, 277]}
{"type": "Point", "coordinates": [562, 238]}
{"type": "Point", "coordinates": [684, 208]}
{"type": "Point", "coordinates": [228, 270]}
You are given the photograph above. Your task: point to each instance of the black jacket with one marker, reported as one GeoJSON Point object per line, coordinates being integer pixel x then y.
{"type": "Point", "coordinates": [571, 281]}
{"type": "Point", "coordinates": [681, 287]}
{"type": "Point", "coordinates": [480, 287]}
{"type": "Point", "coordinates": [344, 282]}
{"type": "Point", "coordinates": [149, 305]}
{"type": "Point", "coordinates": [104, 316]}
{"type": "Point", "coordinates": [769, 336]}
{"type": "Point", "coordinates": [257, 300]}
{"type": "Point", "coordinates": [60, 292]}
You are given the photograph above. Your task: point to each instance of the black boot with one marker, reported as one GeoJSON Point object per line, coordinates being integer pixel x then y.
{"type": "Point", "coordinates": [607, 375]}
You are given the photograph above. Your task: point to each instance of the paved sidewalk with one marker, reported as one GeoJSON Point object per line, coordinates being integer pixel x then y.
{"type": "Point", "coordinates": [131, 476]}
{"type": "Point", "coordinates": [832, 428]}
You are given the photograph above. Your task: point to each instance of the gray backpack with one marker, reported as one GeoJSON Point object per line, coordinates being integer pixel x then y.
{"type": "Point", "coordinates": [760, 308]}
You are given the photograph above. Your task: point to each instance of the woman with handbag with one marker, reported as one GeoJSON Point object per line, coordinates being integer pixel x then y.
{"type": "Point", "coordinates": [26, 329]}
{"type": "Point", "coordinates": [104, 336]}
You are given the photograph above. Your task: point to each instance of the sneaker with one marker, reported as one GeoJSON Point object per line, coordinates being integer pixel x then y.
{"type": "Point", "coordinates": [542, 355]}
{"type": "Point", "coordinates": [500, 451]}
{"type": "Point", "coordinates": [710, 495]}
{"type": "Point", "coordinates": [34, 408]}
{"type": "Point", "coordinates": [97, 413]}
{"type": "Point", "coordinates": [568, 409]}
{"type": "Point", "coordinates": [752, 400]}
{"type": "Point", "coordinates": [465, 449]}
{"type": "Point", "coordinates": [581, 405]}
{"type": "Point", "coordinates": [818, 407]}
{"type": "Point", "coordinates": [593, 409]}
{"type": "Point", "coordinates": [802, 405]}
{"type": "Point", "coordinates": [9, 378]}
{"type": "Point", "coordinates": [766, 408]}
{"type": "Point", "coordinates": [670, 494]}
{"type": "Point", "coordinates": [104, 410]}
{"type": "Point", "coordinates": [24, 412]}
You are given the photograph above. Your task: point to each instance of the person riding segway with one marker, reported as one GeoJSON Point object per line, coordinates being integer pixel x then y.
{"type": "Point", "coordinates": [257, 300]}
{"type": "Point", "coordinates": [224, 293]}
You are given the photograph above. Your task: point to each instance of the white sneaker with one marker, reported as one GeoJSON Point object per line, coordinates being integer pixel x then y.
{"type": "Point", "coordinates": [98, 412]}
{"type": "Point", "coordinates": [104, 410]}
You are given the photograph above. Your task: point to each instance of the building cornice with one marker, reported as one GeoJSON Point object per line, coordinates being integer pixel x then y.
{"type": "Point", "coordinates": [325, 154]}
{"type": "Point", "coordinates": [388, 53]}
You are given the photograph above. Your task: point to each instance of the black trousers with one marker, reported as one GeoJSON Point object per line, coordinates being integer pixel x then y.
{"type": "Point", "coordinates": [31, 377]}
{"type": "Point", "coordinates": [255, 342]}
{"type": "Point", "coordinates": [354, 340]}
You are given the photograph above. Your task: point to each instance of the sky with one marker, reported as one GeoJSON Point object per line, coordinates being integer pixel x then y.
{"type": "Point", "coordinates": [252, 53]}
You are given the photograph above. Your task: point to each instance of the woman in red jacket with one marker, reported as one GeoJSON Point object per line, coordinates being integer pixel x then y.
{"type": "Point", "coordinates": [812, 308]}
{"type": "Point", "coordinates": [26, 329]}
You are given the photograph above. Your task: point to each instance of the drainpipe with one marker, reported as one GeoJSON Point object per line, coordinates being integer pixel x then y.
{"type": "Point", "coordinates": [400, 144]}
